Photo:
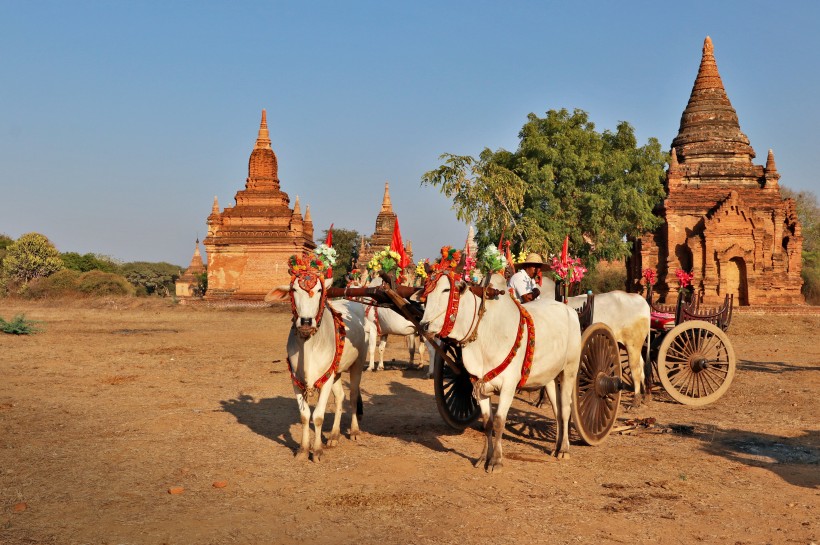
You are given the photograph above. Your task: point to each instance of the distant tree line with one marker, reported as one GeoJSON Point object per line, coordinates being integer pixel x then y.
{"type": "Point", "coordinates": [31, 266]}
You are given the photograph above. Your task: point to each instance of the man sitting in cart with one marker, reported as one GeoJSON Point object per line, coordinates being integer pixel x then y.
{"type": "Point", "coordinates": [523, 284]}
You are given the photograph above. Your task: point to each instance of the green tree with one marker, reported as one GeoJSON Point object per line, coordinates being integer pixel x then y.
{"type": "Point", "coordinates": [565, 178]}
{"type": "Point", "coordinates": [30, 256]}
{"type": "Point", "coordinates": [346, 244]}
{"type": "Point", "coordinates": [88, 262]}
{"type": "Point", "coordinates": [154, 278]}
{"type": "Point", "coordinates": [808, 212]}
{"type": "Point", "coordinates": [5, 241]}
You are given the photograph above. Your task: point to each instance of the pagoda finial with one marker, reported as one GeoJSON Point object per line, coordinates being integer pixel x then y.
{"type": "Point", "coordinates": [307, 213]}
{"type": "Point", "coordinates": [296, 210]}
{"type": "Point", "coordinates": [387, 206]}
{"type": "Point", "coordinates": [707, 46]}
{"type": "Point", "coordinates": [215, 207]}
{"type": "Point", "coordinates": [263, 139]}
{"type": "Point", "coordinates": [770, 166]}
{"type": "Point", "coordinates": [673, 158]}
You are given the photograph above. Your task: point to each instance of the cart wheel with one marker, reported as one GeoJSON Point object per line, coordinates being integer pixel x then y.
{"type": "Point", "coordinates": [598, 389]}
{"type": "Point", "coordinates": [454, 393]}
{"type": "Point", "coordinates": [696, 363]}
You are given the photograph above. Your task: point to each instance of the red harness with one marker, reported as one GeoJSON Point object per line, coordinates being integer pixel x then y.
{"type": "Point", "coordinates": [452, 301]}
{"type": "Point", "coordinates": [340, 334]}
{"type": "Point", "coordinates": [307, 281]}
{"type": "Point", "coordinates": [525, 320]}
{"type": "Point", "coordinates": [375, 318]}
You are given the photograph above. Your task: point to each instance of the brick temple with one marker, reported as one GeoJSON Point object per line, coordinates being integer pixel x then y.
{"type": "Point", "coordinates": [382, 236]}
{"type": "Point", "coordinates": [187, 284]}
{"type": "Point", "coordinates": [248, 245]}
{"type": "Point", "coordinates": [725, 219]}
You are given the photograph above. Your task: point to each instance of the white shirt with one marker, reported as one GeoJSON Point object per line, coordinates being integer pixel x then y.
{"type": "Point", "coordinates": [522, 284]}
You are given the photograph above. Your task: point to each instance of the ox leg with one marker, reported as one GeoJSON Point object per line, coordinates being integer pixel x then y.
{"type": "Point", "coordinates": [562, 416]}
{"type": "Point", "coordinates": [411, 347]}
{"type": "Point", "coordinates": [505, 399]}
{"type": "Point", "coordinates": [636, 368]}
{"type": "Point", "coordinates": [431, 355]}
{"type": "Point", "coordinates": [304, 411]}
{"type": "Point", "coordinates": [486, 407]}
{"type": "Point", "coordinates": [371, 343]}
{"type": "Point", "coordinates": [355, 393]}
{"type": "Point", "coordinates": [552, 395]}
{"type": "Point", "coordinates": [382, 344]}
{"type": "Point", "coordinates": [318, 421]}
{"type": "Point", "coordinates": [339, 396]}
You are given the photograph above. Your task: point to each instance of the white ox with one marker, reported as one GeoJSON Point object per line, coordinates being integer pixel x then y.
{"type": "Point", "coordinates": [383, 322]}
{"type": "Point", "coordinates": [556, 354]}
{"type": "Point", "coordinates": [312, 349]}
{"type": "Point", "coordinates": [628, 316]}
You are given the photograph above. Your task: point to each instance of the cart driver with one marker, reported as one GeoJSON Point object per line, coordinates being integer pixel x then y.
{"type": "Point", "coordinates": [523, 283]}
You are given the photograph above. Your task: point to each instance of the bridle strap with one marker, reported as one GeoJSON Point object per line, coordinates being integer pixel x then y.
{"type": "Point", "coordinates": [339, 334]}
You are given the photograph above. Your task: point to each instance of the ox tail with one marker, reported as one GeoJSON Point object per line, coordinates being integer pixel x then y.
{"type": "Point", "coordinates": [359, 407]}
{"type": "Point", "coordinates": [542, 393]}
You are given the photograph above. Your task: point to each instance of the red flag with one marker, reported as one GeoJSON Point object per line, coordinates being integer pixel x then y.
{"type": "Point", "coordinates": [329, 239]}
{"type": "Point", "coordinates": [397, 246]}
{"type": "Point", "coordinates": [564, 254]}
{"type": "Point", "coordinates": [501, 240]}
{"type": "Point", "coordinates": [509, 257]}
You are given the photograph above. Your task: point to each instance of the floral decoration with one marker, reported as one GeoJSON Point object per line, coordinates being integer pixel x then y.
{"type": "Point", "coordinates": [327, 254]}
{"type": "Point", "coordinates": [421, 271]}
{"type": "Point", "coordinates": [650, 276]}
{"type": "Point", "coordinates": [449, 258]}
{"type": "Point", "coordinates": [570, 272]}
{"type": "Point", "coordinates": [684, 278]}
{"type": "Point", "coordinates": [305, 263]}
{"type": "Point", "coordinates": [491, 260]}
{"type": "Point", "coordinates": [386, 260]}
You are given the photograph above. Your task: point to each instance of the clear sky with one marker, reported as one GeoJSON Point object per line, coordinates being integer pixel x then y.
{"type": "Point", "coordinates": [120, 121]}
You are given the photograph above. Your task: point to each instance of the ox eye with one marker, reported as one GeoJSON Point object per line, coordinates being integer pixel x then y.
{"type": "Point", "coordinates": [445, 290]}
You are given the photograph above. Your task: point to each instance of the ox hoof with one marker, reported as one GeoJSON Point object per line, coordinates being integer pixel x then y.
{"type": "Point", "coordinates": [480, 463]}
{"type": "Point", "coordinates": [495, 467]}
{"type": "Point", "coordinates": [301, 455]}
{"type": "Point", "coordinates": [562, 455]}
{"type": "Point", "coordinates": [318, 455]}
{"type": "Point", "coordinates": [354, 436]}
{"type": "Point", "coordinates": [332, 442]}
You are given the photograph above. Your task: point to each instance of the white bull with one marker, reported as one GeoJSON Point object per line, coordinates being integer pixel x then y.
{"type": "Point", "coordinates": [491, 339]}
{"type": "Point", "coordinates": [383, 322]}
{"type": "Point", "coordinates": [627, 315]}
{"type": "Point", "coordinates": [314, 349]}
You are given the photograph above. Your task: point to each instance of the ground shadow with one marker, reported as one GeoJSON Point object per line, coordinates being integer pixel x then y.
{"type": "Point", "coordinates": [796, 460]}
{"type": "Point", "coordinates": [773, 367]}
{"type": "Point", "coordinates": [265, 416]}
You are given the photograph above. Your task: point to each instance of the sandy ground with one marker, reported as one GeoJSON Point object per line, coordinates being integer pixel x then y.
{"type": "Point", "coordinates": [117, 402]}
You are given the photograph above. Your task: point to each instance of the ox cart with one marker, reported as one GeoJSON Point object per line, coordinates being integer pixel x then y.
{"type": "Point", "coordinates": [687, 349]}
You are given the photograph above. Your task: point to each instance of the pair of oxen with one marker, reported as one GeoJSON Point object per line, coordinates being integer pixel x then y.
{"type": "Point", "coordinates": [505, 346]}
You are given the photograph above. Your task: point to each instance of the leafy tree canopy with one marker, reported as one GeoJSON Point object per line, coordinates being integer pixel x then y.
{"type": "Point", "coordinates": [346, 244]}
{"type": "Point", "coordinates": [88, 262]}
{"type": "Point", "coordinates": [30, 256]}
{"type": "Point", "coordinates": [154, 278]}
{"type": "Point", "coordinates": [565, 178]}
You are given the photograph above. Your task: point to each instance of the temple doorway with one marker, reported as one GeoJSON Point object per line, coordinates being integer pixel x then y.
{"type": "Point", "coordinates": [736, 283]}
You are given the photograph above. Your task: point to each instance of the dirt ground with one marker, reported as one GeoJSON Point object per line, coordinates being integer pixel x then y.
{"type": "Point", "coordinates": [117, 402]}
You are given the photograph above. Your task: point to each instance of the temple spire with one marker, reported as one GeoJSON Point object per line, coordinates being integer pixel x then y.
{"type": "Point", "coordinates": [263, 139]}
{"type": "Point", "coordinates": [387, 206]}
{"type": "Point", "coordinates": [770, 173]}
{"type": "Point", "coordinates": [215, 207]}
{"type": "Point", "coordinates": [709, 127]}
{"type": "Point", "coordinates": [296, 210]}
{"type": "Point", "coordinates": [307, 214]}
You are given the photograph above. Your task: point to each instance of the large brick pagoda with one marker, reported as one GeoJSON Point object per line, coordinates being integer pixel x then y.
{"type": "Point", "coordinates": [248, 245]}
{"type": "Point", "coordinates": [725, 219]}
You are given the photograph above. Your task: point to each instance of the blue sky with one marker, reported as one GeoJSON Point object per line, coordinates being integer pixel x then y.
{"type": "Point", "coordinates": [120, 121]}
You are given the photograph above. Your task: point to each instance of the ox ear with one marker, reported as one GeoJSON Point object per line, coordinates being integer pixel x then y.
{"type": "Point", "coordinates": [278, 293]}
{"type": "Point", "coordinates": [328, 282]}
{"type": "Point", "coordinates": [462, 286]}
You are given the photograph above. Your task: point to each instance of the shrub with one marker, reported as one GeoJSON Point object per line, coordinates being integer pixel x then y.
{"type": "Point", "coordinates": [607, 276]}
{"type": "Point", "coordinates": [64, 282]}
{"type": "Point", "coordinates": [811, 277]}
{"type": "Point", "coordinates": [19, 326]}
{"type": "Point", "coordinates": [103, 283]}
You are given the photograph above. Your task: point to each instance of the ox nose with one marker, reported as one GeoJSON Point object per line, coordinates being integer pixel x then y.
{"type": "Point", "coordinates": [306, 322]}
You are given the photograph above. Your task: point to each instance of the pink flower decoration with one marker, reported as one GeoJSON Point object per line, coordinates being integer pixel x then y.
{"type": "Point", "coordinates": [684, 278]}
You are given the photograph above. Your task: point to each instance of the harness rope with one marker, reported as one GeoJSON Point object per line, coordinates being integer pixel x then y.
{"type": "Point", "coordinates": [339, 334]}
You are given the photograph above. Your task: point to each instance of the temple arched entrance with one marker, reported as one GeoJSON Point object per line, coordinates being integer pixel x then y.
{"type": "Point", "coordinates": [736, 282]}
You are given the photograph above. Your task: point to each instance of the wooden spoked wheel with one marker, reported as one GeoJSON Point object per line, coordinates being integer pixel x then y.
{"type": "Point", "coordinates": [598, 388]}
{"type": "Point", "coordinates": [696, 363]}
{"type": "Point", "coordinates": [454, 392]}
